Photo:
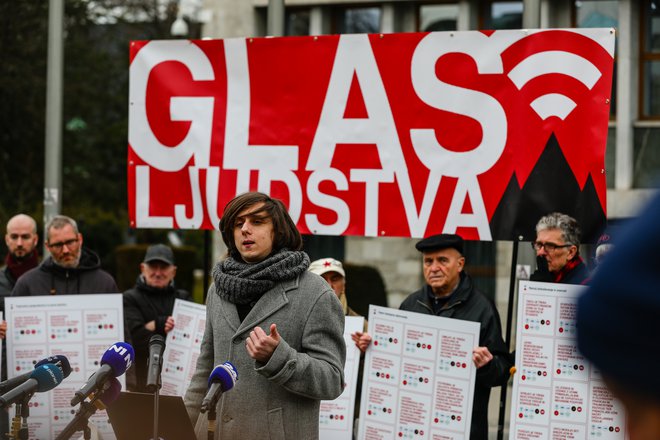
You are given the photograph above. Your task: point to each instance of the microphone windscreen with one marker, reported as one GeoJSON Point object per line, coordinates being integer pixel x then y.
{"type": "Point", "coordinates": [112, 391]}
{"type": "Point", "coordinates": [157, 339]}
{"type": "Point", "coordinates": [48, 376]}
{"type": "Point", "coordinates": [225, 374]}
{"type": "Point", "coordinates": [59, 360]}
{"type": "Point", "coordinates": [119, 356]}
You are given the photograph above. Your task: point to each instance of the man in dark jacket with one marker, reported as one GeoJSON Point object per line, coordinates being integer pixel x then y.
{"type": "Point", "coordinates": [148, 306]}
{"type": "Point", "coordinates": [70, 268]}
{"type": "Point", "coordinates": [21, 240]}
{"type": "Point", "coordinates": [449, 292]}
{"type": "Point", "coordinates": [557, 247]}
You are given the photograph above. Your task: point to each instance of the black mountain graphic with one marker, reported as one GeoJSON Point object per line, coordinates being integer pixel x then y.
{"type": "Point", "coordinates": [550, 187]}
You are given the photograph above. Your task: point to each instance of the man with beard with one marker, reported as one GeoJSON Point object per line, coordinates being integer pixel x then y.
{"type": "Point", "coordinates": [70, 268]}
{"type": "Point", "coordinates": [148, 306]}
{"type": "Point", "coordinates": [21, 240]}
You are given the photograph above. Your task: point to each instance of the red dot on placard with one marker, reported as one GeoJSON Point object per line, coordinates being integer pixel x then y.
{"type": "Point", "coordinates": [421, 432]}
{"type": "Point", "coordinates": [375, 342]}
{"type": "Point", "coordinates": [52, 336]}
{"type": "Point", "coordinates": [405, 382]}
{"type": "Point", "coordinates": [435, 420]}
{"type": "Point", "coordinates": [369, 412]}
{"type": "Point", "coordinates": [561, 330]}
{"type": "Point", "coordinates": [396, 340]}
{"type": "Point", "coordinates": [75, 330]}
{"type": "Point", "coordinates": [112, 326]}
{"type": "Point", "coordinates": [617, 429]}
{"type": "Point", "coordinates": [526, 326]}
{"type": "Point", "coordinates": [464, 365]}
{"type": "Point", "coordinates": [523, 377]}
{"type": "Point", "coordinates": [545, 373]}
{"type": "Point", "coordinates": [556, 413]}
{"type": "Point", "coordinates": [387, 376]}
{"type": "Point", "coordinates": [34, 332]}
{"type": "Point", "coordinates": [401, 434]}
{"type": "Point", "coordinates": [558, 371]}
{"type": "Point", "coordinates": [542, 411]}
{"type": "Point", "coordinates": [341, 417]}
{"type": "Point", "coordinates": [547, 322]}
{"type": "Point", "coordinates": [579, 409]}
{"type": "Point", "coordinates": [520, 415]}
{"type": "Point", "coordinates": [423, 345]}
{"type": "Point", "coordinates": [56, 417]}
{"type": "Point", "coordinates": [36, 404]}
{"type": "Point", "coordinates": [458, 418]}
{"type": "Point", "coordinates": [389, 410]}
{"type": "Point", "coordinates": [428, 346]}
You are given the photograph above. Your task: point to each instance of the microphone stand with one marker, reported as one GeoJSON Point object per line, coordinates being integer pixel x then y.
{"type": "Point", "coordinates": [80, 422]}
{"type": "Point", "coordinates": [156, 401]}
{"type": "Point", "coordinates": [19, 427]}
{"type": "Point", "coordinates": [212, 417]}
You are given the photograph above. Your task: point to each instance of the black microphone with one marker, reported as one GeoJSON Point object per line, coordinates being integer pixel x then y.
{"type": "Point", "coordinates": [59, 360]}
{"type": "Point", "coordinates": [222, 378]}
{"type": "Point", "coordinates": [43, 378]}
{"type": "Point", "coordinates": [115, 361]}
{"type": "Point", "coordinates": [156, 348]}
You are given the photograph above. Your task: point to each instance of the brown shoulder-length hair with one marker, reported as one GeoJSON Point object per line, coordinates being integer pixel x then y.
{"type": "Point", "coordinates": [285, 233]}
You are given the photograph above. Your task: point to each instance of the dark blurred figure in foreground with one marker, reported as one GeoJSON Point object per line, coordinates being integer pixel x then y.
{"type": "Point", "coordinates": [617, 322]}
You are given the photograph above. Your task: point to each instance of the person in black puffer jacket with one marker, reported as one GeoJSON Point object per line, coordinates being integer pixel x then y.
{"type": "Point", "coordinates": [148, 306]}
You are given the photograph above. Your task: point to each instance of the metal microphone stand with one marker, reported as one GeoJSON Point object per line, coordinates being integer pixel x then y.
{"type": "Point", "coordinates": [156, 400]}
{"type": "Point", "coordinates": [80, 422]}
{"type": "Point", "coordinates": [19, 426]}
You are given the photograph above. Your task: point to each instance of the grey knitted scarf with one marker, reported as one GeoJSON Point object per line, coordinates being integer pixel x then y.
{"type": "Point", "coordinates": [242, 283]}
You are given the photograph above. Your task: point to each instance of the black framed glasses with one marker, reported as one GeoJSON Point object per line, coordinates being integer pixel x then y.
{"type": "Point", "coordinates": [548, 246]}
{"type": "Point", "coordinates": [60, 244]}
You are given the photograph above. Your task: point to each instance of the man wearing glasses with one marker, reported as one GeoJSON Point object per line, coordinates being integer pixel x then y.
{"type": "Point", "coordinates": [557, 251]}
{"type": "Point", "coordinates": [70, 268]}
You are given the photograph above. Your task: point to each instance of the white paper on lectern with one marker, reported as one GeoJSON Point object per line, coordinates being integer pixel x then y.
{"type": "Point", "coordinates": [183, 345]}
{"type": "Point", "coordinates": [336, 416]}
{"type": "Point", "coordinates": [80, 327]}
{"type": "Point", "coordinates": [419, 377]}
{"type": "Point", "coordinates": [557, 394]}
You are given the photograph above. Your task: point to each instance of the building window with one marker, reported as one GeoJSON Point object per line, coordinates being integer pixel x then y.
{"type": "Point", "coordinates": [502, 15]}
{"type": "Point", "coordinates": [441, 17]}
{"type": "Point", "coordinates": [650, 61]}
{"type": "Point", "coordinates": [599, 14]}
{"type": "Point", "coordinates": [297, 22]}
{"type": "Point", "coordinates": [356, 20]}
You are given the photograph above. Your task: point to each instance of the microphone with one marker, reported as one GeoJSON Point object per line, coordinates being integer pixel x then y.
{"type": "Point", "coordinates": [115, 361]}
{"type": "Point", "coordinates": [156, 348]}
{"type": "Point", "coordinates": [222, 378]}
{"type": "Point", "coordinates": [59, 360]}
{"type": "Point", "coordinates": [43, 378]}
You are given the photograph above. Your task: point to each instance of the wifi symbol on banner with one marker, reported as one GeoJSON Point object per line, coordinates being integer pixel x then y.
{"type": "Point", "coordinates": [542, 63]}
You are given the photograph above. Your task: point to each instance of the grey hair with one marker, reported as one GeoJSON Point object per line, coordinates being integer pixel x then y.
{"type": "Point", "coordinates": [58, 222]}
{"type": "Point", "coordinates": [569, 227]}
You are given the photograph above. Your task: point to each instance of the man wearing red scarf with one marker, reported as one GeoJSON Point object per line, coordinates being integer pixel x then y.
{"type": "Point", "coordinates": [21, 240]}
{"type": "Point", "coordinates": [558, 252]}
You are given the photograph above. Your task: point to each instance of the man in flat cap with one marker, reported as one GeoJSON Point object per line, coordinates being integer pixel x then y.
{"type": "Point", "coordinates": [449, 292]}
{"type": "Point", "coordinates": [148, 306]}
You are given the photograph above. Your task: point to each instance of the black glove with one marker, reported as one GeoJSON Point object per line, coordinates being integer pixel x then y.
{"type": "Point", "coordinates": [542, 273]}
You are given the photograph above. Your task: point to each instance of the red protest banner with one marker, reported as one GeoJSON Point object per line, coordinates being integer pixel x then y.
{"type": "Point", "coordinates": [478, 133]}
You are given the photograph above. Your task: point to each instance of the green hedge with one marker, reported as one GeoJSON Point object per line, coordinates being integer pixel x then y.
{"type": "Point", "coordinates": [364, 286]}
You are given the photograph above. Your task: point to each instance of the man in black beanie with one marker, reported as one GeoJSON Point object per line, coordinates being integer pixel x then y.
{"type": "Point", "coordinates": [449, 292]}
{"type": "Point", "coordinates": [617, 322]}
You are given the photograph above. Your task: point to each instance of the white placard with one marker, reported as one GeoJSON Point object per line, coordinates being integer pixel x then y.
{"type": "Point", "coordinates": [556, 392]}
{"type": "Point", "coordinates": [419, 377]}
{"type": "Point", "coordinates": [336, 416]}
{"type": "Point", "coordinates": [80, 327]}
{"type": "Point", "coordinates": [183, 345]}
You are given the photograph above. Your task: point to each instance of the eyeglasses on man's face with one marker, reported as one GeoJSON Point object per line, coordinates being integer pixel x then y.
{"type": "Point", "coordinates": [548, 246]}
{"type": "Point", "coordinates": [60, 244]}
